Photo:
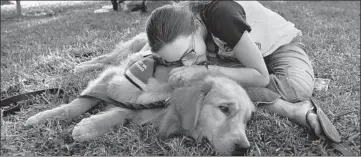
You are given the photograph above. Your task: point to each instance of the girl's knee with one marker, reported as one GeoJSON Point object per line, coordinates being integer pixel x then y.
{"type": "Point", "coordinates": [294, 84]}
{"type": "Point", "coordinates": [302, 82]}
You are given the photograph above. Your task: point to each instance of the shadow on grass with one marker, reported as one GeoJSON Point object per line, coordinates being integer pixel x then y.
{"type": "Point", "coordinates": [43, 11]}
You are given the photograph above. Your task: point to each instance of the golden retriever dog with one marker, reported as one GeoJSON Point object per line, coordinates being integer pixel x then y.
{"type": "Point", "coordinates": [215, 108]}
{"type": "Point", "coordinates": [211, 107]}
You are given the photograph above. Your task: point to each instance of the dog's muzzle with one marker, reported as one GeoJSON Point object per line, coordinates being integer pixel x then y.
{"type": "Point", "coordinates": [239, 151]}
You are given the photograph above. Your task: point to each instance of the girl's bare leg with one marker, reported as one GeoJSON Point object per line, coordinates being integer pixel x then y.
{"type": "Point", "coordinates": [296, 112]}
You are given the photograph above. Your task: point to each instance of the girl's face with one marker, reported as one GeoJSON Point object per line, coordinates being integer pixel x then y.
{"type": "Point", "coordinates": [187, 50]}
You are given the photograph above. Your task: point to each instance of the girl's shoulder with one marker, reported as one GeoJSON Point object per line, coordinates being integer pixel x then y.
{"type": "Point", "coordinates": [225, 21]}
{"type": "Point", "coordinates": [216, 6]}
{"type": "Point", "coordinates": [219, 12]}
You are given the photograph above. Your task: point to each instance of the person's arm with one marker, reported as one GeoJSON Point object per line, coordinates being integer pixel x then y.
{"type": "Point", "coordinates": [228, 23]}
{"type": "Point", "coordinates": [254, 73]}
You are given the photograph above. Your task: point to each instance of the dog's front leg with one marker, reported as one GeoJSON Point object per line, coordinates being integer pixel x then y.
{"type": "Point", "coordinates": [87, 66]}
{"type": "Point", "coordinates": [114, 58]}
{"type": "Point", "coordinates": [99, 62]}
{"type": "Point", "coordinates": [97, 125]}
{"type": "Point", "coordinates": [75, 108]}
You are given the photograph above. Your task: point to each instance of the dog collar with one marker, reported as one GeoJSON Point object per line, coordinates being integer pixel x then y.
{"type": "Point", "coordinates": [159, 104]}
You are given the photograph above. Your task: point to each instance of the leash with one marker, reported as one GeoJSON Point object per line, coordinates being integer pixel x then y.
{"type": "Point", "coordinates": [7, 108]}
{"type": "Point", "coordinates": [154, 105]}
{"type": "Point", "coordinates": [132, 106]}
{"type": "Point", "coordinates": [10, 105]}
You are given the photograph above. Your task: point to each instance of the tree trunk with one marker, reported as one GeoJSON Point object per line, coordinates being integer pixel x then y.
{"type": "Point", "coordinates": [18, 8]}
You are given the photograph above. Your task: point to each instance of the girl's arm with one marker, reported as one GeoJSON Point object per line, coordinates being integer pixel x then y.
{"type": "Point", "coordinates": [227, 21]}
{"type": "Point", "coordinates": [254, 73]}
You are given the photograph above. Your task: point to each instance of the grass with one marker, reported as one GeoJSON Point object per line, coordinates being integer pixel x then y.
{"type": "Point", "coordinates": [40, 52]}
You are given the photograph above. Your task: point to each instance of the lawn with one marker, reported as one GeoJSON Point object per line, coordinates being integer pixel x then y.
{"type": "Point", "coordinates": [40, 52]}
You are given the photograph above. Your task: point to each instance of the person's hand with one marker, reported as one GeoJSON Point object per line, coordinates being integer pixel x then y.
{"type": "Point", "coordinates": [183, 76]}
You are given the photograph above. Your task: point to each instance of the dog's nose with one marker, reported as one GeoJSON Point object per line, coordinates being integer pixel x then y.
{"type": "Point", "coordinates": [240, 149]}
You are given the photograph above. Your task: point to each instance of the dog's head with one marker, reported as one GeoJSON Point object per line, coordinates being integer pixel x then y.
{"type": "Point", "coordinates": [216, 108]}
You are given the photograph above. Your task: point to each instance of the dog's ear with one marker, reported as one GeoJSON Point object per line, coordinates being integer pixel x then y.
{"type": "Point", "coordinates": [188, 103]}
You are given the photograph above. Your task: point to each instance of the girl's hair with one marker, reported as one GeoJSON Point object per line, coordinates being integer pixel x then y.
{"type": "Point", "coordinates": [168, 22]}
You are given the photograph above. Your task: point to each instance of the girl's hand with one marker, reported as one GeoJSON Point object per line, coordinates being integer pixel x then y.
{"type": "Point", "coordinates": [183, 76]}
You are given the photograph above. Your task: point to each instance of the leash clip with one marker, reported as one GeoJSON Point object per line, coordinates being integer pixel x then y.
{"type": "Point", "coordinates": [167, 100]}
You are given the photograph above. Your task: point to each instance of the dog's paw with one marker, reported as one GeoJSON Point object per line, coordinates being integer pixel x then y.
{"type": "Point", "coordinates": [88, 129]}
{"type": "Point", "coordinates": [78, 69]}
{"type": "Point", "coordinates": [38, 118]}
{"type": "Point", "coordinates": [33, 120]}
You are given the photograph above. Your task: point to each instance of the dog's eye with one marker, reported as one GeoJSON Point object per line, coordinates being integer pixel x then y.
{"type": "Point", "coordinates": [224, 109]}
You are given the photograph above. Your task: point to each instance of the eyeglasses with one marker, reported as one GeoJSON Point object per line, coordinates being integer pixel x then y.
{"type": "Point", "coordinates": [185, 57]}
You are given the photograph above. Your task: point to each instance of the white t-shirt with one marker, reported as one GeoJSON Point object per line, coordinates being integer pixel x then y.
{"type": "Point", "coordinates": [269, 29]}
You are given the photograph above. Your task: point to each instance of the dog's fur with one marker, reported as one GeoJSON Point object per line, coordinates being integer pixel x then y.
{"type": "Point", "coordinates": [115, 58]}
{"type": "Point", "coordinates": [194, 110]}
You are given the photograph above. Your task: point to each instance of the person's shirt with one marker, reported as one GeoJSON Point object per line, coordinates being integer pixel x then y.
{"type": "Point", "coordinates": [226, 22]}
